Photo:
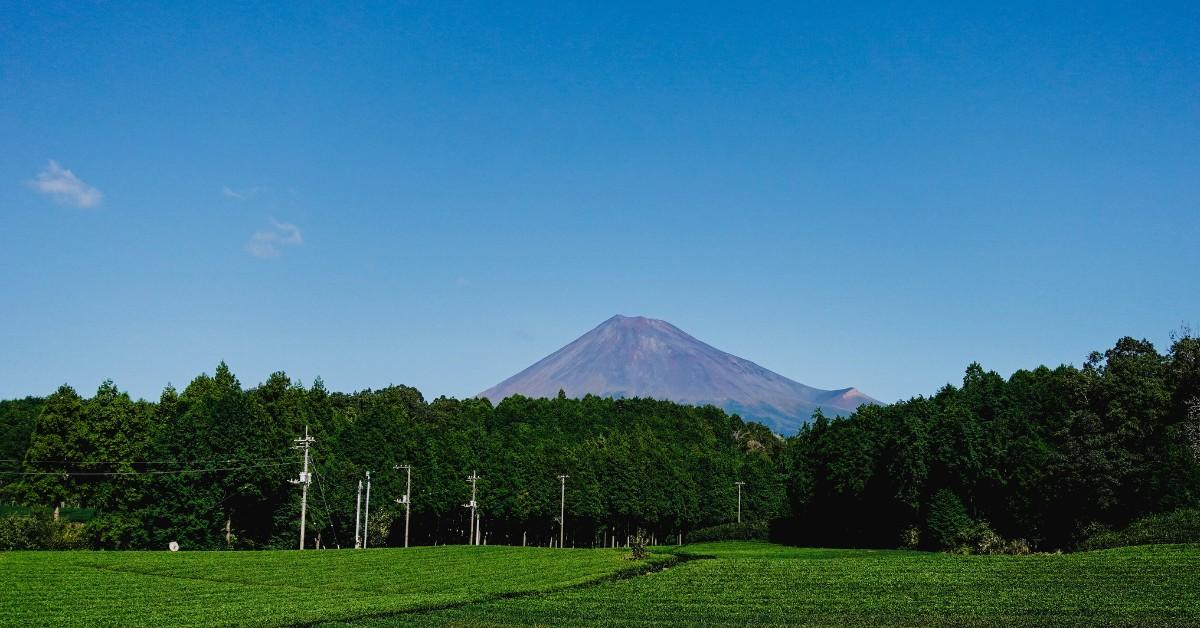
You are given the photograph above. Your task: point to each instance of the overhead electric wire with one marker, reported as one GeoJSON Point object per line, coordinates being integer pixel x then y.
{"type": "Point", "coordinates": [328, 512]}
{"type": "Point", "coordinates": [178, 462]}
{"type": "Point", "coordinates": [242, 489]}
{"type": "Point", "coordinates": [170, 472]}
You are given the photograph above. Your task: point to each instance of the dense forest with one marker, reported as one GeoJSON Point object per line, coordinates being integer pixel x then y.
{"type": "Point", "coordinates": [210, 466]}
{"type": "Point", "coordinates": [1047, 456]}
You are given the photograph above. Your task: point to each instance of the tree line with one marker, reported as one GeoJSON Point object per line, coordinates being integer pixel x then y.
{"type": "Point", "coordinates": [1048, 456]}
{"type": "Point", "coordinates": [209, 467]}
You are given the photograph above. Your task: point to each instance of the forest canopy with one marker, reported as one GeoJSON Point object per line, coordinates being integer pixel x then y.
{"type": "Point", "coordinates": [1047, 456]}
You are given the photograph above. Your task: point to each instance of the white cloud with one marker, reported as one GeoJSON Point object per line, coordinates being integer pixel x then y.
{"type": "Point", "coordinates": [64, 187]}
{"type": "Point", "coordinates": [241, 195]}
{"type": "Point", "coordinates": [271, 242]}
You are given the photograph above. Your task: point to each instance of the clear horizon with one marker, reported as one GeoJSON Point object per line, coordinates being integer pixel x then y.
{"type": "Point", "coordinates": [439, 197]}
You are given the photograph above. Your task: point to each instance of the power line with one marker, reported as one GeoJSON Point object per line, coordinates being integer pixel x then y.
{"type": "Point", "coordinates": [243, 489]}
{"type": "Point", "coordinates": [328, 512]}
{"type": "Point", "coordinates": [171, 472]}
{"type": "Point", "coordinates": [131, 462]}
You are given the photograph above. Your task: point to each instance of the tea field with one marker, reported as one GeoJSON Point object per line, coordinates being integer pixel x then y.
{"type": "Point", "coordinates": [281, 587]}
{"type": "Point", "coordinates": [761, 584]}
{"type": "Point", "coordinates": [731, 583]}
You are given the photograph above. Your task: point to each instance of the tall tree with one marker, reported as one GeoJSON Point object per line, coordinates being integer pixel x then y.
{"type": "Point", "coordinates": [58, 441]}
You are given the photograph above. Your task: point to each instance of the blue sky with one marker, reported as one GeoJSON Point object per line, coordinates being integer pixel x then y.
{"type": "Point", "coordinates": [438, 195]}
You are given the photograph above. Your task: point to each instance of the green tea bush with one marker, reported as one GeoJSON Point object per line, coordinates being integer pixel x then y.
{"type": "Point", "coordinates": [1180, 526]}
{"type": "Point", "coordinates": [747, 531]}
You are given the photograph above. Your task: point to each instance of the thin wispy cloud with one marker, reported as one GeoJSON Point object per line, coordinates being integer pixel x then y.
{"type": "Point", "coordinates": [62, 186]}
{"type": "Point", "coordinates": [271, 242]}
{"type": "Point", "coordinates": [240, 195]}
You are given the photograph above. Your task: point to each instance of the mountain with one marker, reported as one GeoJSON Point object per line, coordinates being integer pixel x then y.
{"type": "Point", "coordinates": [634, 356]}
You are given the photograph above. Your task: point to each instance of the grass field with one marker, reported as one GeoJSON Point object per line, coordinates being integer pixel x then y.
{"type": "Point", "coordinates": [736, 583]}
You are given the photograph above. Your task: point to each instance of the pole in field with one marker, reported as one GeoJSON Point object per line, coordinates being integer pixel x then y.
{"type": "Point", "coordinates": [357, 518]}
{"type": "Point", "coordinates": [304, 481]}
{"type": "Point", "coordinates": [367, 510]}
{"type": "Point", "coordinates": [739, 485]}
{"type": "Point", "coordinates": [407, 499]}
{"type": "Point", "coordinates": [474, 531]}
{"type": "Point", "coordinates": [562, 510]}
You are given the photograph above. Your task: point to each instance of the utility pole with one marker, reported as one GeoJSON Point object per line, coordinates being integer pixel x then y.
{"type": "Point", "coordinates": [562, 510]}
{"type": "Point", "coordinates": [357, 518]}
{"type": "Point", "coordinates": [473, 478]}
{"type": "Point", "coordinates": [406, 500]}
{"type": "Point", "coordinates": [367, 510]}
{"type": "Point", "coordinates": [305, 479]}
{"type": "Point", "coordinates": [739, 485]}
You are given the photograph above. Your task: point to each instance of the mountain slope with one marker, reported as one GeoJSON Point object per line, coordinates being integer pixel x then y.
{"type": "Point", "coordinates": [643, 357]}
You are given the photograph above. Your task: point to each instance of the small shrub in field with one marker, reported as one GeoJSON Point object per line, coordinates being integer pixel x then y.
{"type": "Point", "coordinates": [380, 527]}
{"type": "Point", "coordinates": [1017, 547]}
{"type": "Point", "coordinates": [910, 538]}
{"type": "Point", "coordinates": [983, 540]}
{"type": "Point", "coordinates": [951, 528]}
{"type": "Point", "coordinates": [637, 547]}
{"type": "Point", "coordinates": [70, 536]}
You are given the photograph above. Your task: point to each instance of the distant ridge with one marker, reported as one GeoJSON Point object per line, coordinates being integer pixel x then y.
{"type": "Point", "coordinates": [635, 356]}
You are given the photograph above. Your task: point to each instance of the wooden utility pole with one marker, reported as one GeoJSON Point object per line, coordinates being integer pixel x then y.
{"type": "Point", "coordinates": [739, 485]}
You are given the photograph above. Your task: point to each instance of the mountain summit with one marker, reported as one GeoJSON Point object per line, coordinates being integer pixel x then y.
{"type": "Point", "coordinates": [634, 356]}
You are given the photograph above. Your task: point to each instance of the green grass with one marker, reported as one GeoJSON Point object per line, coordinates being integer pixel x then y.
{"type": "Point", "coordinates": [728, 583]}
{"type": "Point", "coordinates": [280, 588]}
{"type": "Point", "coordinates": [747, 583]}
